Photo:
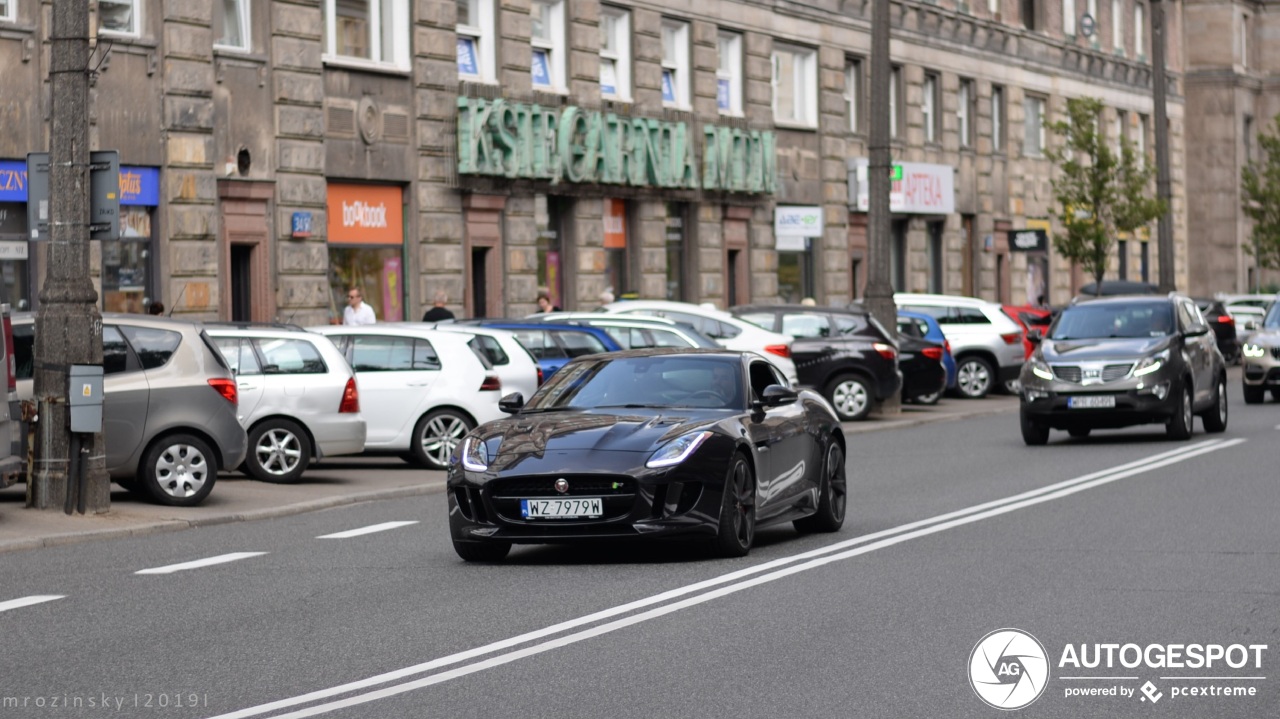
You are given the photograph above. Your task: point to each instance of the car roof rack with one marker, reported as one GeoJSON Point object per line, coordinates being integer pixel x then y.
{"type": "Point", "coordinates": [255, 325]}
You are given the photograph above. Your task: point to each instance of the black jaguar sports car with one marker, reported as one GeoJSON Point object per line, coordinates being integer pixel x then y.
{"type": "Point", "coordinates": [650, 443]}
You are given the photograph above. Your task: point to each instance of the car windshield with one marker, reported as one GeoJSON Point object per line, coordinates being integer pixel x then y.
{"type": "Point", "coordinates": [1272, 322]}
{"type": "Point", "coordinates": [657, 381]}
{"type": "Point", "coordinates": [1093, 321]}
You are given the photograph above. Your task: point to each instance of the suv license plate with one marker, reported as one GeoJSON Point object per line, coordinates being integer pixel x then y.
{"type": "Point", "coordinates": [1099, 401]}
{"type": "Point", "coordinates": [575, 508]}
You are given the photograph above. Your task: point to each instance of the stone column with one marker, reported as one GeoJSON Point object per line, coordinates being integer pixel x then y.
{"type": "Point", "coordinates": [831, 252]}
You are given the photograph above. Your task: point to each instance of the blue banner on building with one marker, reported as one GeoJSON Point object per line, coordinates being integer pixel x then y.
{"type": "Point", "coordinates": [13, 180]}
{"type": "Point", "coordinates": [138, 185]}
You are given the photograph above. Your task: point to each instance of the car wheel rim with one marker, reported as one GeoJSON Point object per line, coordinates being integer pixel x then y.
{"type": "Point", "coordinates": [973, 378]}
{"type": "Point", "coordinates": [744, 516]}
{"type": "Point", "coordinates": [837, 484]}
{"type": "Point", "coordinates": [441, 436]}
{"type": "Point", "coordinates": [1222, 402]}
{"type": "Point", "coordinates": [850, 398]}
{"type": "Point", "coordinates": [928, 398]}
{"type": "Point", "coordinates": [181, 470]}
{"type": "Point", "coordinates": [1186, 409]}
{"type": "Point", "coordinates": [278, 452]}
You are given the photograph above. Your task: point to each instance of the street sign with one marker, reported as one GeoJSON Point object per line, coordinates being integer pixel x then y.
{"type": "Point", "coordinates": [1088, 25]}
{"type": "Point", "coordinates": [104, 195]}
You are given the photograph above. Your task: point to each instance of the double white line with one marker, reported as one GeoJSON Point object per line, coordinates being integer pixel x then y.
{"type": "Point", "coordinates": [718, 587]}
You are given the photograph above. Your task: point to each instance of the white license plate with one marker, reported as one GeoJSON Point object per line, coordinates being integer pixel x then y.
{"type": "Point", "coordinates": [1099, 401]}
{"type": "Point", "coordinates": [568, 508]}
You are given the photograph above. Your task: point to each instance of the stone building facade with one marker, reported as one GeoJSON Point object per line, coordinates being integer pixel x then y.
{"type": "Point", "coordinates": [287, 149]}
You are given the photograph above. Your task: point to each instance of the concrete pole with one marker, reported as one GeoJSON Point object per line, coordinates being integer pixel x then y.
{"type": "Point", "coordinates": [68, 326]}
{"type": "Point", "coordinates": [879, 166]}
{"type": "Point", "coordinates": [1164, 190]}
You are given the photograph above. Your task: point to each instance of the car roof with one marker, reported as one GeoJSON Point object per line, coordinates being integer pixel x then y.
{"type": "Point", "coordinates": [604, 317]}
{"type": "Point", "coordinates": [216, 330]}
{"type": "Point", "coordinates": [1123, 299]}
{"type": "Point", "coordinates": [672, 305]}
{"type": "Point", "coordinates": [680, 351]}
{"type": "Point", "coordinates": [156, 321]}
{"type": "Point", "coordinates": [799, 308]}
{"type": "Point", "coordinates": [921, 298]}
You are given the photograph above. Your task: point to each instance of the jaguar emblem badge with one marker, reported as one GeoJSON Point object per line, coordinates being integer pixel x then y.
{"type": "Point", "coordinates": [562, 485]}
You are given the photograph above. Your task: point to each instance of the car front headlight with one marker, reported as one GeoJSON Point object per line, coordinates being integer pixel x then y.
{"type": "Point", "coordinates": [1252, 349]}
{"type": "Point", "coordinates": [1041, 369]}
{"type": "Point", "coordinates": [1151, 364]}
{"type": "Point", "coordinates": [475, 455]}
{"type": "Point", "coordinates": [677, 450]}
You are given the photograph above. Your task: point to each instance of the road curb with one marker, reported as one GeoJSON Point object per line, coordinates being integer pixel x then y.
{"type": "Point", "coordinates": [882, 423]}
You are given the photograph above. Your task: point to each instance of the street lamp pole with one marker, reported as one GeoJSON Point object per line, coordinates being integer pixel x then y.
{"type": "Point", "coordinates": [1164, 191]}
{"type": "Point", "coordinates": [879, 294]}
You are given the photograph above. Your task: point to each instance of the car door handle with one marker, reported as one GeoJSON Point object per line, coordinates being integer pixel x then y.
{"type": "Point", "coordinates": [418, 384]}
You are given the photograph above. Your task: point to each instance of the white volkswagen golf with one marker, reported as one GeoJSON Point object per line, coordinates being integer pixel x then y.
{"type": "Point", "coordinates": [422, 390]}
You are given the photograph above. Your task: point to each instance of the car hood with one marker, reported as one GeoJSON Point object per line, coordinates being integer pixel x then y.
{"type": "Point", "coordinates": [1269, 336]}
{"type": "Point", "coordinates": [1088, 350]}
{"type": "Point", "coordinates": [607, 430]}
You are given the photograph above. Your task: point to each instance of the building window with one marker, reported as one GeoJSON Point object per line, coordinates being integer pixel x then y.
{"type": "Point", "coordinates": [964, 113]}
{"type": "Point", "coordinates": [1069, 18]}
{"type": "Point", "coordinates": [549, 215]}
{"type": "Point", "coordinates": [936, 257]}
{"type": "Point", "coordinates": [1091, 7]}
{"type": "Point", "coordinates": [1033, 125]}
{"type": "Point", "coordinates": [121, 17]}
{"type": "Point", "coordinates": [895, 89]}
{"type": "Point", "coordinates": [1248, 139]}
{"type": "Point", "coordinates": [1117, 133]}
{"type": "Point", "coordinates": [1139, 26]}
{"type": "Point", "coordinates": [615, 53]}
{"type": "Point", "coordinates": [729, 74]}
{"type": "Point", "coordinates": [675, 63]}
{"type": "Point", "coordinates": [929, 107]}
{"type": "Point", "coordinates": [993, 7]}
{"type": "Point", "coordinates": [1122, 254]}
{"type": "Point", "coordinates": [374, 31]}
{"type": "Point", "coordinates": [853, 92]}
{"type": "Point", "coordinates": [617, 256]}
{"type": "Point", "coordinates": [1028, 14]}
{"type": "Point", "coordinates": [1244, 41]}
{"type": "Point", "coordinates": [795, 85]}
{"type": "Point", "coordinates": [476, 41]}
{"type": "Point", "coordinates": [8, 10]}
{"type": "Point", "coordinates": [997, 118]}
{"type": "Point", "coordinates": [677, 251]}
{"type": "Point", "coordinates": [233, 17]}
{"type": "Point", "coordinates": [1140, 141]}
{"type": "Point", "coordinates": [1117, 25]}
{"type": "Point", "coordinates": [547, 39]}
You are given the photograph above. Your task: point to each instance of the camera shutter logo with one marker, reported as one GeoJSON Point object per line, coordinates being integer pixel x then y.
{"type": "Point", "coordinates": [1008, 669]}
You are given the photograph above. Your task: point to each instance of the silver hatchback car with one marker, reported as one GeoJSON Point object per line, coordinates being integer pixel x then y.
{"type": "Point", "coordinates": [169, 411]}
{"type": "Point", "coordinates": [298, 397]}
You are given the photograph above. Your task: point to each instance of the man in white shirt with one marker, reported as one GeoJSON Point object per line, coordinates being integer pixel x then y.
{"type": "Point", "coordinates": [357, 312]}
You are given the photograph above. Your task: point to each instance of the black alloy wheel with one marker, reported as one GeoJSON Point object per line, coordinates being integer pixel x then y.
{"type": "Point", "coordinates": [1215, 420]}
{"type": "Point", "coordinates": [1181, 424]}
{"type": "Point", "coordinates": [737, 526]}
{"type": "Point", "coordinates": [833, 496]}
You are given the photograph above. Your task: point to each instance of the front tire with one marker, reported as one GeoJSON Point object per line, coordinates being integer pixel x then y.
{"type": "Point", "coordinates": [481, 551]}
{"type": "Point", "coordinates": [1079, 432]}
{"type": "Point", "coordinates": [737, 525]}
{"type": "Point", "coordinates": [179, 470]}
{"type": "Point", "coordinates": [279, 452]}
{"type": "Point", "coordinates": [436, 435]}
{"type": "Point", "coordinates": [1034, 434]}
{"type": "Point", "coordinates": [833, 496]}
{"type": "Point", "coordinates": [1254, 394]}
{"type": "Point", "coordinates": [1215, 420]}
{"type": "Point", "coordinates": [1181, 425]}
{"type": "Point", "coordinates": [974, 377]}
{"type": "Point", "coordinates": [850, 396]}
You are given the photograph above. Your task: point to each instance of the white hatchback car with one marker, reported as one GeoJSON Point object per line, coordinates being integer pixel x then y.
{"type": "Point", "coordinates": [515, 366]}
{"type": "Point", "coordinates": [298, 397]}
{"type": "Point", "coordinates": [728, 331]}
{"type": "Point", "coordinates": [986, 343]}
{"type": "Point", "coordinates": [423, 390]}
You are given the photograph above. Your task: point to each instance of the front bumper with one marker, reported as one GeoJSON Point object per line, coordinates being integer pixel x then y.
{"type": "Point", "coordinates": [1132, 406]}
{"type": "Point", "coordinates": [1264, 370]}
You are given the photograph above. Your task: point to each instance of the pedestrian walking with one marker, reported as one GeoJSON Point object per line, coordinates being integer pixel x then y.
{"type": "Point", "coordinates": [544, 302]}
{"type": "Point", "coordinates": [357, 312]}
{"type": "Point", "coordinates": [438, 312]}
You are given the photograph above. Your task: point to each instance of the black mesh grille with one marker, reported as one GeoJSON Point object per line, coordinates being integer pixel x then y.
{"type": "Point", "coordinates": [1275, 352]}
{"type": "Point", "coordinates": [1067, 373]}
{"type": "Point", "coordinates": [593, 486]}
{"type": "Point", "coordinates": [1113, 372]}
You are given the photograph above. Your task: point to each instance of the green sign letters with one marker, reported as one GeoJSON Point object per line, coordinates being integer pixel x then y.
{"type": "Point", "coordinates": [569, 144]}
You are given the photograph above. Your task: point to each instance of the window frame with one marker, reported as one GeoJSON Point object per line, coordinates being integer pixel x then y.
{"type": "Point", "coordinates": [1069, 18]}
{"type": "Point", "coordinates": [245, 8]}
{"type": "Point", "coordinates": [1117, 26]}
{"type": "Point", "coordinates": [853, 83]}
{"type": "Point", "coordinates": [1139, 26]}
{"type": "Point", "coordinates": [733, 73]}
{"type": "Point", "coordinates": [1091, 7]}
{"type": "Point", "coordinates": [484, 42]}
{"type": "Point", "coordinates": [10, 12]}
{"type": "Point", "coordinates": [681, 88]}
{"type": "Point", "coordinates": [135, 16]}
{"type": "Point", "coordinates": [1244, 41]}
{"type": "Point", "coordinates": [399, 52]}
{"type": "Point", "coordinates": [1028, 102]}
{"type": "Point", "coordinates": [555, 48]}
{"type": "Point", "coordinates": [895, 101]}
{"type": "Point", "coordinates": [620, 56]}
{"type": "Point", "coordinates": [929, 106]}
{"type": "Point", "coordinates": [998, 115]}
{"type": "Point", "coordinates": [804, 74]}
{"type": "Point", "coordinates": [965, 101]}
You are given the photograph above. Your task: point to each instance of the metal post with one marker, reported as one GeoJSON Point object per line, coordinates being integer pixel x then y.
{"type": "Point", "coordinates": [1164, 227]}
{"type": "Point", "coordinates": [68, 327]}
{"type": "Point", "coordinates": [879, 300]}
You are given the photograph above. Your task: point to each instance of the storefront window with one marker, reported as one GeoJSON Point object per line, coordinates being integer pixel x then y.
{"type": "Point", "coordinates": [676, 255]}
{"type": "Point", "coordinates": [126, 263]}
{"type": "Point", "coordinates": [14, 249]}
{"type": "Point", "coordinates": [548, 214]}
{"type": "Point", "coordinates": [795, 276]}
{"type": "Point", "coordinates": [615, 247]}
{"type": "Point", "coordinates": [366, 246]}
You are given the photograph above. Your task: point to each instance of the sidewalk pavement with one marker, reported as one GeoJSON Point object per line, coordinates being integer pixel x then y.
{"type": "Point", "coordinates": [332, 483]}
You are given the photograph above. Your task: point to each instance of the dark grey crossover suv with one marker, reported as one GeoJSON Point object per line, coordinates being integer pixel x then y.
{"type": "Point", "coordinates": [1119, 361]}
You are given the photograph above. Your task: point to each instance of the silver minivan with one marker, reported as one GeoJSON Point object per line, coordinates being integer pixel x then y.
{"type": "Point", "coordinates": [169, 411]}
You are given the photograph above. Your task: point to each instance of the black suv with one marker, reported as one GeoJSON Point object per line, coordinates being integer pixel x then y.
{"type": "Point", "coordinates": [1119, 361]}
{"type": "Point", "coordinates": [843, 353]}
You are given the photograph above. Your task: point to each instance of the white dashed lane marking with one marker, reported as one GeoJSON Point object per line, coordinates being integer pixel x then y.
{"type": "Point", "coordinates": [28, 601]}
{"type": "Point", "coordinates": [220, 559]}
{"type": "Point", "coordinates": [366, 530]}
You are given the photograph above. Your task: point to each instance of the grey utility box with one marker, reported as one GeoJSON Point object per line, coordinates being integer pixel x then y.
{"type": "Point", "coordinates": [84, 397]}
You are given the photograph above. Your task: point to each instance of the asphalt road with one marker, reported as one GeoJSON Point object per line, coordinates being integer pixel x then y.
{"type": "Point", "coordinates": [956, 530]}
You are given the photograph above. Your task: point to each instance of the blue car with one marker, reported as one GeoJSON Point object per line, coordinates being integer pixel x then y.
{"type": "Point", "coordinates": [922, 326]}
{"type": "Point", "coordinates": [553, 345]}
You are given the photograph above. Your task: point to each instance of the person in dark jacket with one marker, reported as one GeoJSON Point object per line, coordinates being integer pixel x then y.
{"type": "Point", "coordinates": [438, 311]}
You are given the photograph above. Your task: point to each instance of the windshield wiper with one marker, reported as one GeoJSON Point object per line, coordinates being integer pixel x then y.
{"type": "Point", "coordinates": [632, 406]}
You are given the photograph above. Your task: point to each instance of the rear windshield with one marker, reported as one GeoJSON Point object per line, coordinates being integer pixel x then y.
{"type": "Point", "coordinates": [213, 350]}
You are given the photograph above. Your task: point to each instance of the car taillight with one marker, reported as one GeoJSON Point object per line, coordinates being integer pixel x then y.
{"type": "Point", "coordinates": [780, 350]}
{"type": "Point", "coordinates": [11, 363]}
{"type": "Point", "coordinates": [947, 345]}
{"type": "Point", "coordinates": [491, 383]}
{"type": "Point", "coordinates": [886, 351]}
{"type": "Point", "coordinates": [541, 379]}
{"type": "Point", "coordinates": [350, 398]}
{"type": "Point", "coordinates": [933, 353]}
{"type": "Point", "coordinates": [1011, 337]}
{"type": "Point", "coordinates": [1222, 320]}
{"type": "Point", "coordinates": [226, 388]}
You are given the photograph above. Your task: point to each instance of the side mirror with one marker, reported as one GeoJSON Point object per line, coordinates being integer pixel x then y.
{"type": "Point", "coordinates": [1035, 337]}
{"type": "Point", "coordinates": [1197, 331]}
{"type": "Point", "coordinates": [775, 395]}
{"type": "Point", "coordinates": [1250, 325]}
{"type": "Point", "coordinates": [511, 403]}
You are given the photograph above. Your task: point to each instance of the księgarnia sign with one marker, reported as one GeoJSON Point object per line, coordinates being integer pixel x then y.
{"type": "Point", "coordinates": [570, 144]}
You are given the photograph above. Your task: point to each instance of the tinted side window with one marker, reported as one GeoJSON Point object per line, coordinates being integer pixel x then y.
{"type": "Point", "coordinates": [850, 324]}
{"type": "Point", "coordinates": [910, 327]}
{"type": "Point", "coordinates": [627, 339]}
{"type": "Point", "coordinates": [115, 351]}
{"type": "Point", "coordinates": [577, 344]}
{"type": "Point", "coordinates": [425, 357]}
{"type": "Point", "coordinates": [667, 338]}
{"type": "Point", "coordinates": [491, 349]}
{"type": "Point", "coordinates": [969, 316]}
{"type": "Point", "coordinates": [761, 377]}
{"type": "Point", "coordinates": [24, 351]}
{"type": "Point", "coordinates": [154, 347]}
{"type": "Point", "coordinates": [540, 344]}
{"type": "Point", "coordinates": [804, 325]}
{"type": "Point", "coordinates": [728, 331]}
{"type": "Point", "coordinates": [382, 354]}
{"type": "Point", "coordinates": [290, 356]}
{"type": "Point", "coordinates": [938, 313]}
{"type": "Point", "coordinates": [767, 320]}
{"type": "Point", "coordinates": [238, 354]}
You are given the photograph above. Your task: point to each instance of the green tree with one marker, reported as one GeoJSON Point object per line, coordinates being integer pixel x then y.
{"type": "Point", "coordinates": [1098, 192]}
{"type": "Point", "coordinates": [1261, 186]}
